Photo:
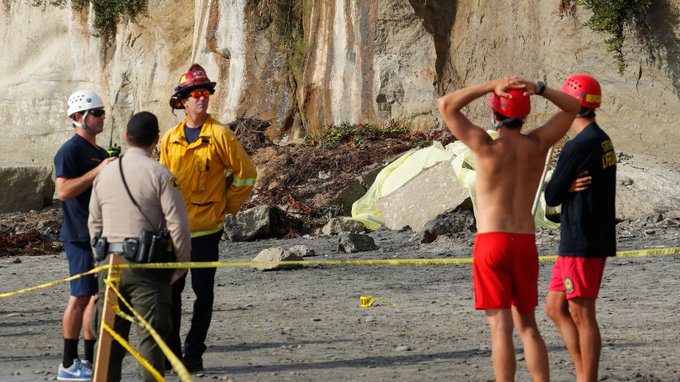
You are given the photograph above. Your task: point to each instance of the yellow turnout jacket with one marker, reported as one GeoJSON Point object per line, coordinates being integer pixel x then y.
{"type": "Point", "coordinates": [201, 169]}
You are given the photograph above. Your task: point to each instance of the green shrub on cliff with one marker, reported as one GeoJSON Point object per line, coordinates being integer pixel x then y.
{"type": "Point", "coordinates": [613, 17]}
{"type": "Point", "coordinates": [106, 12]}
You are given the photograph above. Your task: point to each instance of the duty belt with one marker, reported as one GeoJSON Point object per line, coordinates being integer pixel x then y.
{"type": "Point", "coordinates": [115, 247]}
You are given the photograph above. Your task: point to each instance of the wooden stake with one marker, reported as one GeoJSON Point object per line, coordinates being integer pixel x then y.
{"type": "Point", "coordinates": [101, 367]}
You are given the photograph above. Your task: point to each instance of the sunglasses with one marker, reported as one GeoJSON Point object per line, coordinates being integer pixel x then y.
{"type": "Point", "coordinates": [199, 93]}
{"type": "Point", "coordinates": [97, 113]}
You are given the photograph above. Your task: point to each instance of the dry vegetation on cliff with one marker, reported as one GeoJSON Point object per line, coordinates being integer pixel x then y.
{"type": "Point", "coordinates": [302, 178]}
{"type": "Point", "coordinates": [305, 178]}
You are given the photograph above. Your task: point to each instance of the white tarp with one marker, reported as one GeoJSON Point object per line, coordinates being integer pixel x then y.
{"type": "Point", "coordinates": [412, 163]}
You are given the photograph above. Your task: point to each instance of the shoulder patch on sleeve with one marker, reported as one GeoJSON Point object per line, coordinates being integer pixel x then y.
{"type": "Point", "coordinates": [173, 182]}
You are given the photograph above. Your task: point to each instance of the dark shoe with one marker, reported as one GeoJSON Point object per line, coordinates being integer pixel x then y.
{"type": "Point", "coordinates": [193, 364]}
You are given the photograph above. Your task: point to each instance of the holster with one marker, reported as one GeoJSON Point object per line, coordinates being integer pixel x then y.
{"type": "Point", "coordinates": [101, 248]}
{"type": "Point", "coordinates": [162, 250]}
{"type": "Point", "coordinates": [150, 247]}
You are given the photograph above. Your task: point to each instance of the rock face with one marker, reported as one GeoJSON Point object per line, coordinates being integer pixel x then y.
{"type": "Point", "coordinates": [645, 188]}
{"type": "Point", "coordinates": [25, 187]}
{"type": "Point", "coordinates": [56, 54]}
{"type": "Point", "coordinates": [315, 63]}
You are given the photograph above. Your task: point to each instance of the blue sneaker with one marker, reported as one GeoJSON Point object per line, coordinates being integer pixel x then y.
{"type": "Point", "coordinates": [79, 371]}
{"type": "Point", "coordinates": [87, 365]}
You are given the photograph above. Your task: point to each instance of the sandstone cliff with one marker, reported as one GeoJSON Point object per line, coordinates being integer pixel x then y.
{"type": "Point", "coordinates": [324, 62]}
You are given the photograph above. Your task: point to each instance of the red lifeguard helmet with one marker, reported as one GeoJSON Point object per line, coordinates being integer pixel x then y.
{"type": "Point", "coordinates": [518, 106]}
{"type": "Point", "coordinates": [585, 89]}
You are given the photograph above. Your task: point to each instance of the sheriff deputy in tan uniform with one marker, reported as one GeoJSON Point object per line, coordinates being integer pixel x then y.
{"type": "Point", "coordinates": [114, 216]}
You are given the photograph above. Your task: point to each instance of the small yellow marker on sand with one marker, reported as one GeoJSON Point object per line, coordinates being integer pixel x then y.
{"type": "Point", "coordinates": [366, 301]}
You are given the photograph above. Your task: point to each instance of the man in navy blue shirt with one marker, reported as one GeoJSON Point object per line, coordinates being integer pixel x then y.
{"type": "Point", "coordinates": [584, 183]}
{"type": "Point", "coordinates": [76, 164]}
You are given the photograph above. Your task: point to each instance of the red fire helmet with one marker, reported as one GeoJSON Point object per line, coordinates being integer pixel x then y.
{"type": "Point", "coordinates": [194, 78]}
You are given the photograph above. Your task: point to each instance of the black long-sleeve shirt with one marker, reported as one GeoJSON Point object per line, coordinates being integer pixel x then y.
{"type": "Point", "coordinates": [587, 218]}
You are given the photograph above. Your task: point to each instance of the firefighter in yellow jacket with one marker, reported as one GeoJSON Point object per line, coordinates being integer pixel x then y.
{"type": "Point", "coordinates": [201, 151]}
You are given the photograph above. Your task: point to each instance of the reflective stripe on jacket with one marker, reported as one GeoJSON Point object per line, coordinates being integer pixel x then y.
{"type": "Point", "coordinates": [201, 168]}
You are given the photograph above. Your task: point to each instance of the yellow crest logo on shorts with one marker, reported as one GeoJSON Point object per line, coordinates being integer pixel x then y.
{"type": "Point", "coordinates": [568, 285]}
{"type": "Point", "coordinates": [173, 182]}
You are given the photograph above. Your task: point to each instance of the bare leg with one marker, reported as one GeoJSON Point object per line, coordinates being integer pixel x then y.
{"type": "Point", "coordinates": [73, 316]}
{"type": "Point", "coordinates": [535, 352]}
{"type": "Point", "coordinates": [583, 313]}
{"type": "Point", "coordinates": [557, 309]}
{"type": "Point", "coordinates": [87, 318]}
{"type": "Point", "coordinates": [502, 348]}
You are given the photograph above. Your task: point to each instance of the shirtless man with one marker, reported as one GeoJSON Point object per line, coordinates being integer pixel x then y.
{"type": "Point", "coordinates": [505, 267]}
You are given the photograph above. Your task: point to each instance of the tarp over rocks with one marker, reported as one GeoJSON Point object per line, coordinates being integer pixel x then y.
{"type": "Point", "coordinates": [413, 167]}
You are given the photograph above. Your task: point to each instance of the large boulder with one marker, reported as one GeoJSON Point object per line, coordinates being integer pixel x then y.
{"type": "Point", "coordinates": [423, 198]}
{"type": "Point", "coordinates": [271, 259]}
{"type": "Point", "coordinates": [341, 224]}
{"type": "Point", "coordinates": [260, 222]}
{"type": "Point", "coordinates": [25, 187]}
{"type": "Point", "coordinates": [449, 223]}
{"type": "Point", "coordinates": [355, 242]}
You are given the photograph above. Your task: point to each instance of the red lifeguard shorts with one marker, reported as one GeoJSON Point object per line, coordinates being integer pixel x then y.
{"type": "Point", "coordinates": [577, 276]}
{"type": "Point", "coordinates": [505, 271]}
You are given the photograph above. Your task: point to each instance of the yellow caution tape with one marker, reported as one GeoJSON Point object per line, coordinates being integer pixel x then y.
{"type": "Point", "coordinates": [119, 312]}
{"type": "Point", "coordinates": [221, 264]}
{"type": "Point", "coordinates": [47, 285]}
{"type": "Point", "coordinates": [113, 280]}
{"type": "Point", "coordinates": [133, 352]}
{"type": "Point", "coordinates": [448, 261]}
{"type": "Point", "coordinates": [648, 252]}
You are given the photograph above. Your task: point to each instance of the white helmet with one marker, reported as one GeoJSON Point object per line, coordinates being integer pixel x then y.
{"type": "Point", "coordinates": [83, 100]}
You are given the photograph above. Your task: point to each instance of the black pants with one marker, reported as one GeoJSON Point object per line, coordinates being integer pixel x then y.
{"type": "Point", "coordinates": [203, 248]}
{"type": "Point", "coordinates": [148, 291]}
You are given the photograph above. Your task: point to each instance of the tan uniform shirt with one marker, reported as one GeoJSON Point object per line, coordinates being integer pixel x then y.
{"type": "Point", "coordinates": [154, 187]}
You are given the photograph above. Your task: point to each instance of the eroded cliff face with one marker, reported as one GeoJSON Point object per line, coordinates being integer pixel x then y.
{"type": "Point", "coordinates": [310, 64]}
{"type": "Point", "coordinates": [640, 107]}
{"type": "Point", "coordinates": [50, 52]}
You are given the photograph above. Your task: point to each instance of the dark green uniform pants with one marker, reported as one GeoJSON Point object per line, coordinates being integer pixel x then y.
{"type": "Point", "coordinates": [149, 294]}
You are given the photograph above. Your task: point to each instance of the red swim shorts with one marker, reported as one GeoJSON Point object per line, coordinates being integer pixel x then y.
{"type": "Point", "coordinates": [577, 276]}
{"type": "Point", "coordinates": [505, 271]}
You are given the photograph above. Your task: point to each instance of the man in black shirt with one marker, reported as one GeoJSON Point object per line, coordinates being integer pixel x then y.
{"type": "Point", "coordinates": [584, 183]}
{"type": "Point", "coordinates": [76, 164]}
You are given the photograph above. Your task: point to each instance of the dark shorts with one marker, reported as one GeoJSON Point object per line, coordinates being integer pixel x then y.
{"type": "Point", "coordinates": [80, 260]}
{"type": "Point", "coordinates": [577, 276]}
{"type": "Point", "coordinates": [505, 271]}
